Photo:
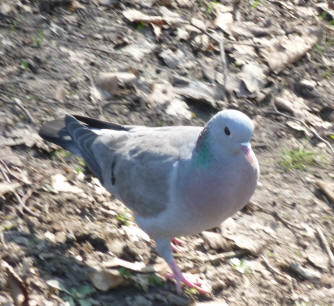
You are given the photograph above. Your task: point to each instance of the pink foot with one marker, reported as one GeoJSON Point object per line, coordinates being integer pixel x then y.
{"type": "Point", "coordinates": [177, 241]}
{"type": "Point", "coordinates": [178, 276]}
{"type": "Point", "coordinates": [175, 248]}
{"type": "Point", "coordinates": [174, 244]}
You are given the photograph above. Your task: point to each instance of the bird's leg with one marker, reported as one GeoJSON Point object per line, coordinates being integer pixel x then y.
{"type": "Point", "coordinates": [178, 276]}
{"type": "Point", "coordinates": [175, 248]}
{"type": "Point", "coordinates": [164, 249]}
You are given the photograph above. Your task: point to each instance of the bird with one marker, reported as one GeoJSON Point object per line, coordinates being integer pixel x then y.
{"type": "Point", "coordinates": [177, 180]}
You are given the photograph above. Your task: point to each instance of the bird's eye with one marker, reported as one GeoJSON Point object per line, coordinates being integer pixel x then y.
{"type": "Point", "coordinates": [227, 131]}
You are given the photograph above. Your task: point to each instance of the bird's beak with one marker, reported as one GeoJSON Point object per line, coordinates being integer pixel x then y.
{"type": "Point", "coordinates": [247, 149]}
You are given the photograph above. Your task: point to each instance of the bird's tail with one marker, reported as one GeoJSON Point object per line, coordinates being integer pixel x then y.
{"type": "Point", "coordinates": [56, 131]}
{"type": "Point", "coordinates": [73, 136]}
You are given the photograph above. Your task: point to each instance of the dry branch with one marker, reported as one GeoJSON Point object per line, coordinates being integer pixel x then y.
{"type": "Point", "coordinates": [21, 201]}
{"type": "Point", "coordinates": [326, 245]}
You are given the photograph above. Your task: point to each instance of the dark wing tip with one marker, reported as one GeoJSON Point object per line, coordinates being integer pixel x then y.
{"type": "Point", "coordinates": [51, 129]}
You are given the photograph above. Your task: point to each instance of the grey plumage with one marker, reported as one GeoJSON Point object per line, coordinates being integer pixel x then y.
{"type": "Point", "coordinates": [176, 182]}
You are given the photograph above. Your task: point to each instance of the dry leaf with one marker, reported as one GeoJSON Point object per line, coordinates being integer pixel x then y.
{"type": "Point", "coordinates": [199, 92]}
{"type": "Point", "coordinates": [172, 59]}
{"type": "Point", "coordinates": [17, 287]}
{"type": "Point", "coordinates": [168, 17]}
{"type": "Point", "coordinates": [5, 8]}
{"type": "Point", "coordinates": [60, 183]}
{"type": "Point", "coordinates": [112, 81]}
{"type": "Point", "coordinates": [156, 30]}
{"type": "Point", "coordinates": [282, 51]}
{"type": "Point", "coordinates": [223, 20]}
{"type": "Point", "coordinates": [243, 54]}
{"type": "Point", "coordinates": [117, 262]}
{"type": "Point", "coordinates": [327, 188]}
{"type": "Point", "coordinates": [249, 29]}
{"type": "Point", "coordinates": [106, 279]}
{"type": "Point", "coordinates": [253, 77]}
{"type": "Point", "coordinates": [297, 126]}
{"type": "Point", "coordinates": [60, 92]}
{"type": "Point", "coordinates": [134, 233]}
{"type": "Point", "coordinates": [8, 187]}
{"type": "Point", "coordinates": [76, 5]}
{"type": "Point", "coordinates": [136, 16]}
{"type": "Point", "coordinates": [247, 243]}
{"type": "Point", "coordinates": [10, 157]}
{"type": "Point", "coordinates": [139, 49]}
{"type": "Point", "coordinates": [163, 95]}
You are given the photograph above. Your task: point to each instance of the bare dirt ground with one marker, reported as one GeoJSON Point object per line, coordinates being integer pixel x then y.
{"type": "Point", "coordinates": [64, 240]}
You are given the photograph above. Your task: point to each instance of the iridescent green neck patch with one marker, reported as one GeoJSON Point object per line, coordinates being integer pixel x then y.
{"type": "Point", "coordinates": [202, 152]}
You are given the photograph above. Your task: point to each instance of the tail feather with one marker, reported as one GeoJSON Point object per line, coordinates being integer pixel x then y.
{"type": "Point", "coordinates": [73, 136]}
{"type": "Point", "coordinates": [98, 124]}
{"type": "Point", "coordinates": [56, 132]}
{"type": "Point", "coordinates": [83, 138]}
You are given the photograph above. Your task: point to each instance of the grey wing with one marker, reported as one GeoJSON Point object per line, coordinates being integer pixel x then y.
{"type": "Point", "coordinates": [138, 165]}
{"type": "Point", "coordinates": [134, 163]}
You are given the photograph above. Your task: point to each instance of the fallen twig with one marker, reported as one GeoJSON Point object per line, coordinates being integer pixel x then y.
{"type": "Point", "coordinates": [223, 60]}
{"type": "Point", "coordinates": [225, 255]}
{"type": "Point", "coordinates": [272, 269]}
{"type": "Point", "coordinates": [22, 206]}
{"type": "Point", "coordinates": [327, 192]}
{"type": "Point", "coordinates": [285, 222]}
{"type": "Point", "coordinates": [18, 103]}
{"type": "Point", "coordinates": [25, 198]}
{"type": "Point", "coordinates": [4, 174]}
{"type": "Point", "coordinates": [2, 238]}
{"type": "Point", "coordinates": [217, 257]}
{"type": "Point", "coordinates": [326, 245]}
{"type": "Point", "coordinates": [26, 112]}
{"type": "Point", "coordinates": [13, 81]}
{"type": "Point", "coordinates": [276, 215]}
{"type": "Point", "coordinates": [276, 112]}
{"type": "Point", "coordinates": [8, 187]}
{"type": "Point", "coordinates": [18, 288]}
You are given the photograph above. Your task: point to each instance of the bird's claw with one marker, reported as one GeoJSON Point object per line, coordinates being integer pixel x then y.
{"type": "Point", "coordinates": [196, 285]}
{"type": "Point", "coordinates": [174, 243]}
{"type": "Point", "coordinates": [177, 241]}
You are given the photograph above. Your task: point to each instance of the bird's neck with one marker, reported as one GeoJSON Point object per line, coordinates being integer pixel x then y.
{"type": "Point", "coordinates": [202, 154]}
{"type": "Point", "coordinates": [205, 152]}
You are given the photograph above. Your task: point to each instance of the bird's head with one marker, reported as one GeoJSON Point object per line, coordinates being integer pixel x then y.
{"type": "Point", "coordinates": [229, 132]}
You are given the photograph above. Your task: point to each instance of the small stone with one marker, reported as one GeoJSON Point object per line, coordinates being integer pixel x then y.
{"type": "Point", "coordinates": [177, 300]}
{"type": "Point", "coordinates": [306, 89]}
{"type": "Point", "coordinates": [108, 2]}
{"type": "Point", "coordinates": [209, 73]}
{"type": "Point", "coordinates": [112, 81]}
{"type": "Point", "coordinates": [116, 247]}
{"type": "Point", "coordinates": [172, 59]}
{"type": "Point", "coordinates": [182, 34]}
{"type": "Point", "coordinates": [105, 280]}
{"type": "Point", "coordinates": [247, 243]}
{"type": "Point", "coordinates": [48, 235]}
{"type": "Point", "coordinates": [60, 237]}
{"type": "Point", "coordinates": [5, 8]}
{"type": "Point", "coordinates": [184, 3]}
{"type": "Point", "coordinates": [306, 273]}
{"type": "Point", "coordinates": [139, 300]}
{"type": "Point", "coordinates": [318, 259]}
{"type": "Point", "coordinates": [214, 240]}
